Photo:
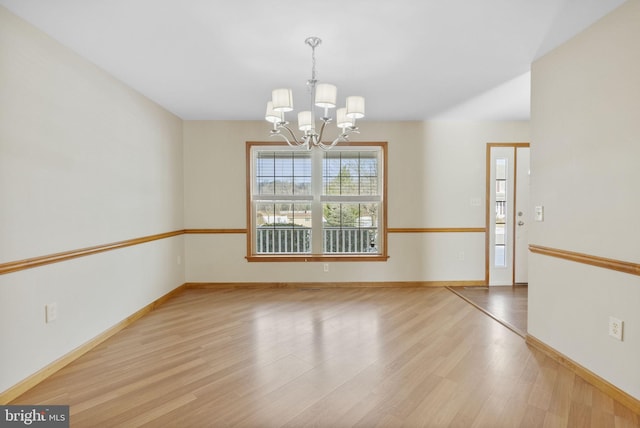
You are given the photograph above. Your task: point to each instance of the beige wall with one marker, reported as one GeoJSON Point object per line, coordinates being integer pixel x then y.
{"type": "Point", "coordinates": [585, 158]}
{"type": "Point", "coordinates": [435, 169]}
{"type": "Point", "coordinates": [84, 161]}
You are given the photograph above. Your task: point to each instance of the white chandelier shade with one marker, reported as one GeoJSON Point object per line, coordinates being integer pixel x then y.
{"type": "Point", "coordinates": [342, 121]}
{"type": "Point", "coordinates": [324, 96]}
{"type": "Point", "coordinates": [282, 99]}
{"type": "Point", "coordinates": [305, 121]}
{"type": "Point", "coordinates": [355, 107]}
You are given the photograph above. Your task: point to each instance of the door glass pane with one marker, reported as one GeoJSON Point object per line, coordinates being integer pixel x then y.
{"type": "Point", "coordinates": [500, 258]}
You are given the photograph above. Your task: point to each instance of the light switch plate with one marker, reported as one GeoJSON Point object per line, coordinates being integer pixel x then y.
{"type": "Point", "coordinates": [50, 312]}
{"type": "Point", "coordinates": [539, 213]}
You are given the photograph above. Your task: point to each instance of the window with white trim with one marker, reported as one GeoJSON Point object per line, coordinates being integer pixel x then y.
{"type": "Point", "coordinates": [315, 204]}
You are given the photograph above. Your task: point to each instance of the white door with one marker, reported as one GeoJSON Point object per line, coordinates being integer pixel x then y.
{"type": "Point", "coordinates": [523, 215]}
{"type": "Point", "coordinates": [508, 188]}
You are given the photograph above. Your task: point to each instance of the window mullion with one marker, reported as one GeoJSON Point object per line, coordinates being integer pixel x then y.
{"type": "Point", "coordinates": [316, 206]}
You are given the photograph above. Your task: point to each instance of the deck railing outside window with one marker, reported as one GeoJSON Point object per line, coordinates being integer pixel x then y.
{"type": "Point", "coordinates": [274, 240]}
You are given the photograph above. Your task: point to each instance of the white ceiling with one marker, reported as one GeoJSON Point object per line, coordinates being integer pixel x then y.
{"type": "Point", "coordinates": [411, 59]}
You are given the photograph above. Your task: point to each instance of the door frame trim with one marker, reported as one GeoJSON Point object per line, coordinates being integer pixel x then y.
{"type": "Point", "coordinates": [487, 214]}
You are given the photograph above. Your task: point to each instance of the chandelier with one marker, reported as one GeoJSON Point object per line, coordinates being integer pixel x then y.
{"type": "Point", "coordinates": [323, 95]}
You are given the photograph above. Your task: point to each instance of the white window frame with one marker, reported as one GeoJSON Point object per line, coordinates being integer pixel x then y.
{"type": "Point", "coordinates": [316, 200]}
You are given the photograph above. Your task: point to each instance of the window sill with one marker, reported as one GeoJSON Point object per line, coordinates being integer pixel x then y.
{"type": "Point", "coordinates": [318, 258]}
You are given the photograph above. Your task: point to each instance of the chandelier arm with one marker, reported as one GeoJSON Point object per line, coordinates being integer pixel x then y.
{"type": "Point", "coordinates": [278, 133]}
{"type": "Point", "coordinates": [342, 138]}
{"type": "Point", "coordinates": [327, 147]}
{"type": "Point", "coordinates": [281, 135]}
{"type": "Point", "coordinates": [295, 139]}
{"type": "Point", "coordinates": [324, 123]}
{"type": "Point", "coordinates": [295, 144]}
{"type": "Point", "coordinates": [352, 129]}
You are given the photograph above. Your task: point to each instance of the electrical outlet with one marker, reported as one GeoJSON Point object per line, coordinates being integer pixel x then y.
{"type": "Point", "coordinates": [50, 312]}
{"type": "Point", "coordinates": [615, 328]}
{"type": "Point", "coordinates": [326, 267]}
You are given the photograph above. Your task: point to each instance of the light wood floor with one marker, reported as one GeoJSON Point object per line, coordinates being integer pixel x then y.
{"type": "Point", "coordinates": [506, 304]}
{"type": "Point", "coordinates": [329, 358]}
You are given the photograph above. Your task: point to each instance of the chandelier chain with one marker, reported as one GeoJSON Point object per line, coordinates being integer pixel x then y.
{"type": "Point", "coordinates": [313, 63]}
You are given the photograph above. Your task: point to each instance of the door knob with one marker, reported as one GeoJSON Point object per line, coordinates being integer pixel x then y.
{"type": "Point", "coordinates": [520, 223]}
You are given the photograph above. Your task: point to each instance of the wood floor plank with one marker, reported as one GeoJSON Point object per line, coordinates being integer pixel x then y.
{"type": "Point", "coordinates": [322, 358]}
{"type": "Point", "coordinates": [533, 417]}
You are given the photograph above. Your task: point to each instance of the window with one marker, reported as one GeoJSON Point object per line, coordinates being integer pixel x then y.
{"type": "Point", "coordinates": [316, 205]}
{"type": "Point", "coordinates": [501, 210]}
